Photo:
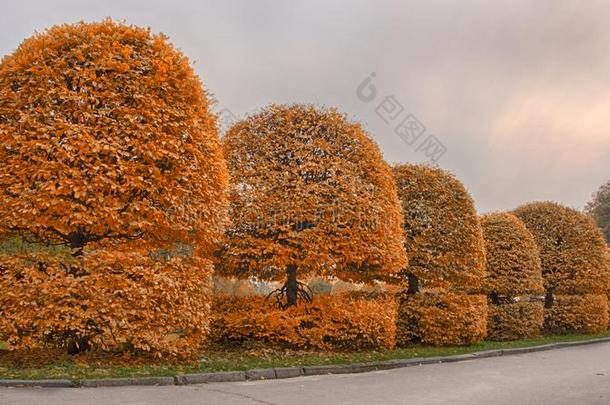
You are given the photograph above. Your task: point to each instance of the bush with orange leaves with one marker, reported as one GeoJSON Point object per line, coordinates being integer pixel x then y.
{"type": "Point", "coordinates": [441, 318]}
{"type": "Point", "coordinates": [514, 278]}
{"type": "Point", "coordinates": [519, 318]}
{"type": "Point", "coordinates": [572, 254]}
{"type": "Point", "coordinates": [310, 196]}
{"type": "Point", "coordinates": [446, 252]}
{"type": "Point", "coordinates": [345, 321]}
{"type": "Point", "coordinates": [608, 286]}
{"type": "Point", "coordinates": [107, 138]}
{"type": "Point", "coordinates": [114, 300]}
{"type": "Point", "coordinates": [577, 313]}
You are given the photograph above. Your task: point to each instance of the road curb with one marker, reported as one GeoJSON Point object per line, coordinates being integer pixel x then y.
{"type": "Point", "coordinates": [200, 378]}
{"type": "Point", "coordinates": [122, 382]}
{"type": "Point", "coordinates": [289, 372]}
{"type": "Point", "coordinates": [39, 383]}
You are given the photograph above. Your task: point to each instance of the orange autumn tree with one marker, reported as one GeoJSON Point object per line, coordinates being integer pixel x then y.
{"type": "Point", "coordinates": [444, 304]}
{"type": "Point", "coordinates": [607, 260]}
{"type": "Point", "coordinates": [514, 278]}
{"type": "Point", "coordinates": [310, 195]}
{"type": "Point", "coordinates": [572, 254]}
{"type": "Point", "coordinates": [108, 149]}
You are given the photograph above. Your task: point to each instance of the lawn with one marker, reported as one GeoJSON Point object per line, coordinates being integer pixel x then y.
{"type": "Point", "coordinates": [44, 365]}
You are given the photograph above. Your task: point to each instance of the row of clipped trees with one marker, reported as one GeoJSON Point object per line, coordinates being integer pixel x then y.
{"type": "Point", "coordinates": [109, 150]}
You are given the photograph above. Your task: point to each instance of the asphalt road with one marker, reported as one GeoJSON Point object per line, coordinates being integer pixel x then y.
{"type": "Point", "coordinates": [574, 376]}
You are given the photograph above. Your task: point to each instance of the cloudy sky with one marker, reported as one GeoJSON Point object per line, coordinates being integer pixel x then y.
{"type": "Point", "coordinates": [518, 92]}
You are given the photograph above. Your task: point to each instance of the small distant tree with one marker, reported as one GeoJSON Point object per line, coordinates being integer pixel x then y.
{"type": "Point", "coordinates": [106, 139]}
{"type": "Point", "coordinates": [310, 196]}
{"type": "Point", "coordinates": [599, 208]}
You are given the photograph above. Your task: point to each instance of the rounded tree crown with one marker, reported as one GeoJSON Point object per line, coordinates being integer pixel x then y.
{"type": "Point", "coordinates": [309, 189]}
{"type": "Point", "coordinates": [572, 247]}
{"type": "Point", "coordinates": [105, 133]}
{"type": "Point", "coordinates": [513, 262]}
{"type": "Point", "coordinates": [444, 241]}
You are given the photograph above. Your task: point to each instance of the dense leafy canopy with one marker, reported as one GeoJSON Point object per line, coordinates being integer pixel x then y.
{"type": "Point", "coordinates": [443, 235]}
{"type": "Point", "coordinates": [343, 321]}
{"type": "Point", "coordinates": [108, 148]}
{"type": "Point", "coordinates": [577, 313]}
{"type": "Point", "coordinates": [441, 318]}
{"type": "Point", "coordinates": [572, 248]}
{"type": "Point", "coordinates": [513, 262]}
{"type": "Point", "coordinates": [519, 319]}
{"type": "Point", "coordinates": [514, 278]}
{"type": "Point", "coordinates": [574, 268]}
{"type": "Point", "coordinates": [109, 153]}
{"type": "Point", "coordinates": [446, 270]}
{"type": "Point", "coordinates": [309, 189]}
{"type": "Point", "coordinates": [124, 301]}
{"type": "Point", "coordinates": [105, 133]}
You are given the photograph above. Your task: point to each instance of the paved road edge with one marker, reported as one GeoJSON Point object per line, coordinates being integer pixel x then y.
{"type": "Point", "coordinates": [288, 372]}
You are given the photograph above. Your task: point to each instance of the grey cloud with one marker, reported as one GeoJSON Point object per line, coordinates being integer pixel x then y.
{"type": "Point", "coordinates": [516, 90]}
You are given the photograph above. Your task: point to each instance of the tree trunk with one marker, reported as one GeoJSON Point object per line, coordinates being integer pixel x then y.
{"type": "Point", "coordinates": [77, 243]}
{"type": "Point", "coordinates": [413, 284]}
{"type": "Point", "coordinates": [494, 298]}
{"type": "Point", "coordinates": [78, 345]}
{"type": "Point", "coordinates": [548, 298]}
{"type": "Point", "coordinates": [291, 285]}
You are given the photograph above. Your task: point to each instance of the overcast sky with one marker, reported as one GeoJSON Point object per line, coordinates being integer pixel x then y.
{"type": "Point", "coordinates": [517, 91]}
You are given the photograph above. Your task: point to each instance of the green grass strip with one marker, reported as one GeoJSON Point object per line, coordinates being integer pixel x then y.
{"type": "Point", "coordinates": [226, 359]}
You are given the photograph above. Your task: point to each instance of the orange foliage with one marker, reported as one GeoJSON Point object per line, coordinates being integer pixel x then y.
{"type": "Point", "coordinates": [572, 248]}
{"type": "Point", "coordinates": [309, 189]}
{"type": "Point", "coordinates": [572, 253]}
{"type": "Point", "coordinates": [514, 278]}
{"type": "Point", "coordinates": [446, 253]}
{"type": "Point", "coordinates": [443, 235]}
{"type": "Point", "coordinates": [106, 138]}
{"type": "Point", "coordinates": [441, 318]}
{"type": "Point", "coordinates": [513, 263]}
{"type": "Point", "coordinates": [93, 151]}
{"type": "Point", "coordinates": [577, 313]}
{"type": "Point", "coordinates": [608, 279]}
{"type": "Point", "coordinates": [346, 321]}
{"type": "Point", "coordinates": [515, 320]}
{"type": "Point", "coordinates": [118, 300]}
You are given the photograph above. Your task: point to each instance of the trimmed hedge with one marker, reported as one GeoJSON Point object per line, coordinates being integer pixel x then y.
{"type": "Point", "coordinates": [572, 254]}
{"type": "Point", "coordinates": [441, 318]}
{"type": "Point", "coordinates": [311, 193]}
{"type": "Point", "coordinates": [444, 241]}
{"type": "Point", "coordinates": [107, 137]}
{"type": "Point", "coordinates": [608, 288]}
{"type": "Point", "coordinates": [515, 320]}
{"type": "Point", "coordinates": [572, 248]}
{"type": "Point", "coordinates": [346, 321]}
{"type": "Point", "coordinates": [126, 302]}
{"type": "Point", "coordinates": [583, 313]}
{"type": "Point", "coordinates": [446, 252]}
{"type": "Point", "coordinates": [514, 278]}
